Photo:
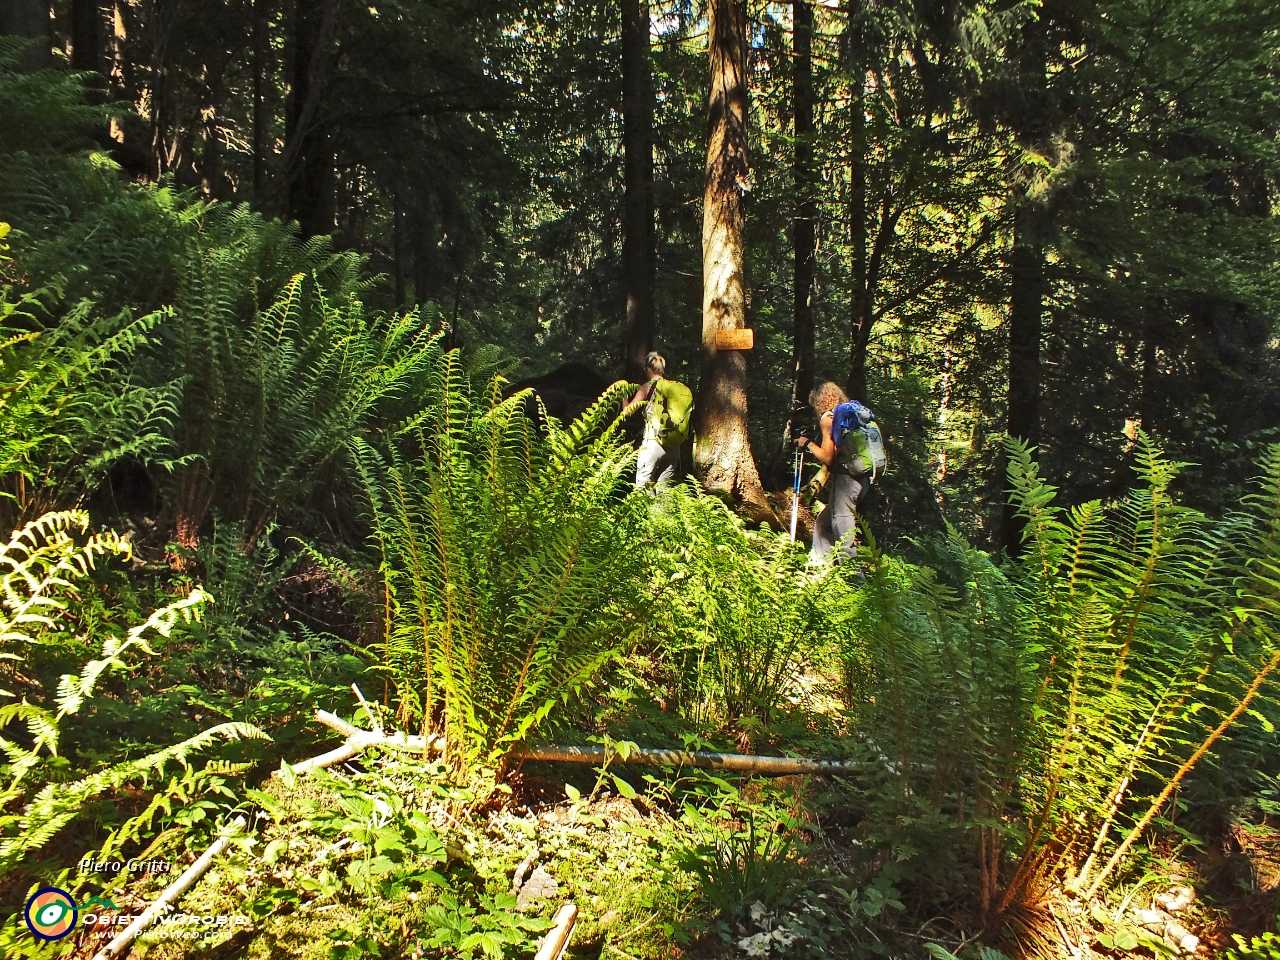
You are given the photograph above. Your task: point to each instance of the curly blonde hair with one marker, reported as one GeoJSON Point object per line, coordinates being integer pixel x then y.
{"type": "Point", "coordinates": [826, 397]}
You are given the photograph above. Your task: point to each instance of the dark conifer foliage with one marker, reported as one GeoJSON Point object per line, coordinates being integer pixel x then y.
{"type": "Point", "coordinates": [1049, 220]}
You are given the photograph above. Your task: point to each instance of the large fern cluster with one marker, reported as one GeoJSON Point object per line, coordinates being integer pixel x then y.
{"type": "Point", "coordinates": [75, 217]}
{"type": "Point", "coordinates": [1154, 631]}
{"type": "Point", "coordinates": [253, 366]}
{"type": "Point", "coordinates": [42, 110]}
{"type": "Point", "coordinates": [1051, 710]}
{"type": "Point", "coordinates": [70, 402]}
{"type": "Point", "coordinates": [242, 393]}
{"type": "Point", "coordinates": [280, 367]}
{"type": "Point", "coordinates": [509, 548]}
{"type": "Point", "coordinates": [934, 678]}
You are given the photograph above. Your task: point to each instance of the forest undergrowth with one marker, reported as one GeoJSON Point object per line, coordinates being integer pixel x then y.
{"type": "Point", "coordinates": [236, 491]}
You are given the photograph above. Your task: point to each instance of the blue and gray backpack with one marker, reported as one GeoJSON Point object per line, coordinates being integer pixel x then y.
{"type": "Point", "coordinates": [859, 446]}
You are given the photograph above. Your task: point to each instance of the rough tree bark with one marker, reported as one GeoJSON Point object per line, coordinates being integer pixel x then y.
{"type": "Point", "coordinates": [1031, 228]}
{"type": "Point", "coordinates": [86, 36]}
{"type": "Point", "coordinates": [117, 37]}
{"type": "Point", "coordinates": [861, 303]}
{"type": "Point", "coordinates": [722, 454]}
{"type": "Point", "coordinates": [1026, 306]}
{"type": "Point", "coordinates": [259, 103]}
{"type": "Point", "coordinates": [1153, 309]}
{"type": "Point", "coordinates": [1026, 309]}
{"type": "Point", "coordinates": [639, 249]}
{"type": "Point", "coordinates": [87, 32]}
{"type": "Point", "coordinates": [160, 30]}
{"type": "Point", "coordinates": [309, 155]}
{"type": "Point", "coordinates": [803, 220]}
{"type": "Point", "coordinates": [211, 172]}
{"type": "Point", "coordinates": [400, 255]}
{"type": "Point", "coordinates": [28, 18]}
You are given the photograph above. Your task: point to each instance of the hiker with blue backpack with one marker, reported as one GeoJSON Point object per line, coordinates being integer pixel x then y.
{"type": "Point", "coordinates": [668, 413]}
{"type": "Point", "coordinates": [852, 451]}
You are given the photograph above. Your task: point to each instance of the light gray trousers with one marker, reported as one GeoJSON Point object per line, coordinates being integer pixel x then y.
{"type": "Point", "coordinates": [840, 519]}
{"type": "Point", "coordinates": [656, 465]}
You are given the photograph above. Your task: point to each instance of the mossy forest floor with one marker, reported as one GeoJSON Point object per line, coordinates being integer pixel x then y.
{"type": "Point", "coordinates": [380, 857]}
{"type": "Point", "coordinates": [351, 859]}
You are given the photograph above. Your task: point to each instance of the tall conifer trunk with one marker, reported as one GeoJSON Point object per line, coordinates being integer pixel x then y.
{"type": "Point", "coordinates": [401, 254]}
{"type": "Point", "coordinates": [639, 250]}
{"type": "Point", "coordinates": [28, 18]}
{"type": "Point", "coordinates": [860, 300]}
{"type": "Point", "coordinates": [803, 220]}
{"type": "Point", "coordinates": [86, 36]}
{"type": "Point", "coordinates": [722, 454]}
{"type": "Point", "coordinates": [309, 150]}
{"type": "Point", "coordinates": [1026, 305]}
{"type": "Point", "coordinates": [1031, 229]}
{"type": "Point", "coordinates": [1148, 402]}
{"type": "Point", "coordinates": [87, 56]}
{"type": "Point", "coordinates": [259, 103]}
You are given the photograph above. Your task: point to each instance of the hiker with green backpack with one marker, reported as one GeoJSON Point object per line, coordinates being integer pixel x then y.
{"type": "Point", "coordinates": [852, 452]}
{"type": "Point", "coordinates": [668, 407]}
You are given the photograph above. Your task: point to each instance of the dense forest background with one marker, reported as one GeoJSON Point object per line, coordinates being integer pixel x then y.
{"type": "Point", "coordinates": [1054, 219]}
{"type": "Point", "coordinates": [318, 323]}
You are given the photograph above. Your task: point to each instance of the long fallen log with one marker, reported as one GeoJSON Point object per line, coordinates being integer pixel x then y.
{"type": "Point", "coordinates": [359, 740]}
{"type": "Point", "coordinates": [556, 942]}
{"type": "Point", "coordinates": [651, 756]}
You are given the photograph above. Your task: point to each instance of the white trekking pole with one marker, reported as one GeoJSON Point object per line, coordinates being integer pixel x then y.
{"type": "Point", "coordinates": [795, 491]}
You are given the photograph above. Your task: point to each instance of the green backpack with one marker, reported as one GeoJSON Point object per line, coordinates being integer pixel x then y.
{"type": "Point", "coordinates": [672, 412]}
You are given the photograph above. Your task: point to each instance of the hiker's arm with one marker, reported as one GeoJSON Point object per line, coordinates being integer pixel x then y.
{"type": "Point", "coordinates": [824, 451]}
{"type": "Point", "coordinates": [641, 396]}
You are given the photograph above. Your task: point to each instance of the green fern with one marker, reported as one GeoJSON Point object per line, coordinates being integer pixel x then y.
{"type": "Point", "coordinates": [278, 372]}
{"type": "Point", "coordinates": [506, 555]}
{"type": "Point", "coordinates": [1054, 708]}
{"type": "Point", "coordinates": [739, 614]}
{"type": "Point", "coordinates": [69, 403]}
{"type": "Point", "coordinates": [1158, 632]}
{"type": "Point", "coordinates": [934, 678]}
{"type": "Point", "coordinates": [43, 109]}
{"type": "Point", "coordinates": [40, 565]}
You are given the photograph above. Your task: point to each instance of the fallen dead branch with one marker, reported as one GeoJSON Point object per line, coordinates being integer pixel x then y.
{"type": "Point", "coordinates": [557, 940]}
{"type": "Point", "coordinates": [121, 943]}
{"type": "Point", "coordinates": [732, 762]}
{"type": "Point", "coordinates": [359, 740]}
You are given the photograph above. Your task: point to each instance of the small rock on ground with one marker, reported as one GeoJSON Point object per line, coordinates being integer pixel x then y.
{"type": "Point", "coordinates": [540, 886]}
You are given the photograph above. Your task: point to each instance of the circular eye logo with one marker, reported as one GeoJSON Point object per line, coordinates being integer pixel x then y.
{"type": "Point", "coordinates": [51, 913]}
